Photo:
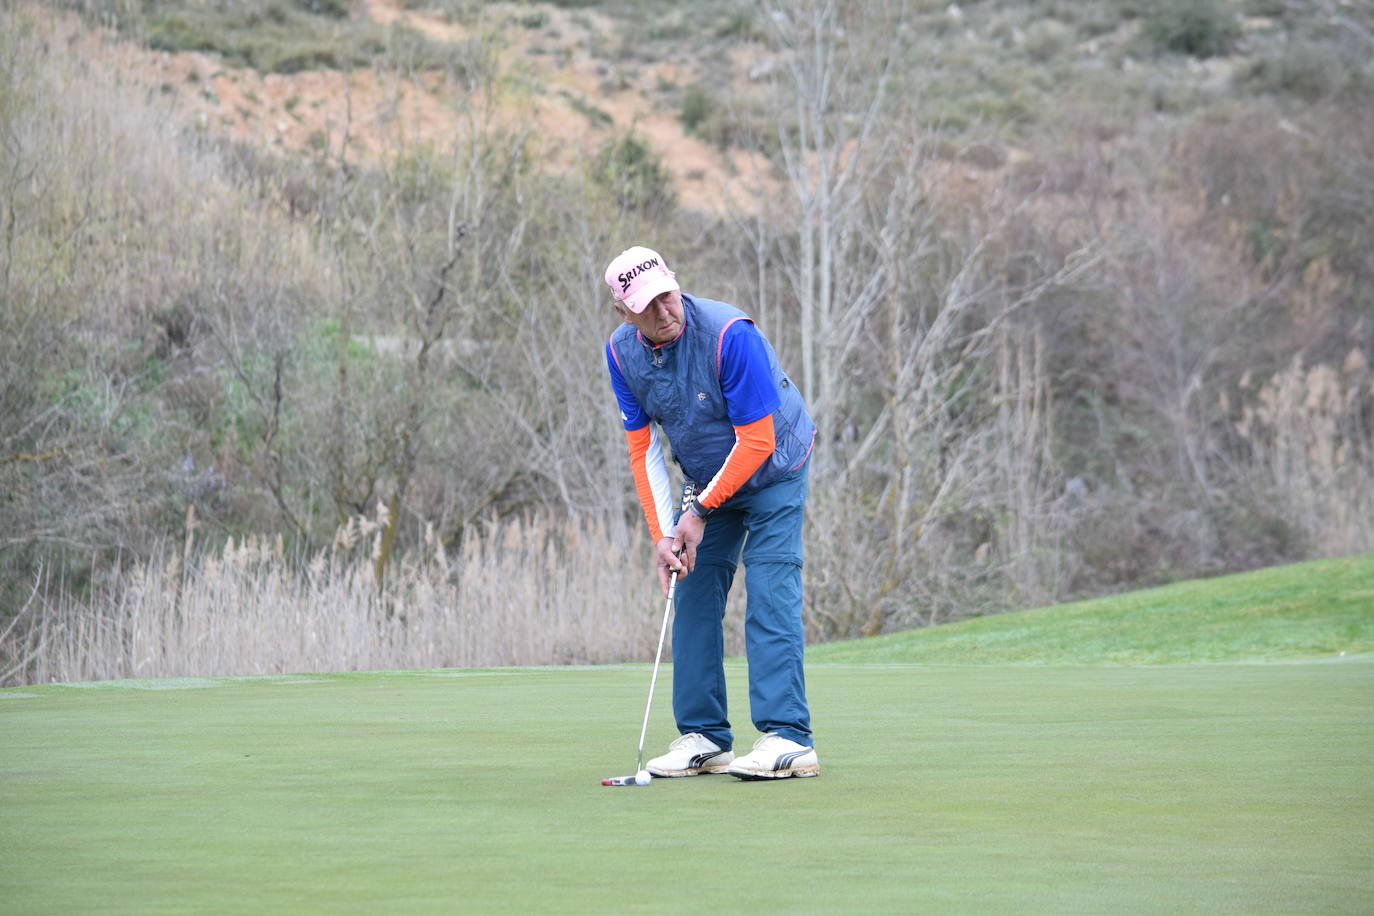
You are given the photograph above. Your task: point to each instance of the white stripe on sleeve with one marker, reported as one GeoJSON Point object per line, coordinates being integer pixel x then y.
{"type": "Point", "coordinates": [656, 466]}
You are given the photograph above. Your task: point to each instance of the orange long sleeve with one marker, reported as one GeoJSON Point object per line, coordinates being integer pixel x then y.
{"type": "Point", "coordinates": [650, 472]}
{"type": "Point", "coordinates": [754, 442]}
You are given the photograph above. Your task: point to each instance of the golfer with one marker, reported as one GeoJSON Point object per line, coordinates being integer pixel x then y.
{"type": "Point", "coordinates": [740, 432]}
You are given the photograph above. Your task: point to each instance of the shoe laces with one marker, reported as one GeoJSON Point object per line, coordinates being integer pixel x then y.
{"type": "Point", "coordinates": [768, 738]}
{"type": "Point", "coordinates": [686, 740]}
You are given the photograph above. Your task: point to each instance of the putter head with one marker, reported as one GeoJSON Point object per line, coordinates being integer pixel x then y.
{"type": "Point", "coordinates": [642, 778]}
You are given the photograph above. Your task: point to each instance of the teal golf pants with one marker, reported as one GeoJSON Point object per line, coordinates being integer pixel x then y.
{"type": "Point", "coordinates": [764, 527]}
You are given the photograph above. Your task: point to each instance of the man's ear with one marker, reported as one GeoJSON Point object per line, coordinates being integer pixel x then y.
{"type": "Point", "coordinates": [621, 310]}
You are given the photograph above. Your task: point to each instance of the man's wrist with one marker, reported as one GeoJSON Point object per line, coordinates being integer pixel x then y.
{"type": "Point", "coordinates": [701, 512]}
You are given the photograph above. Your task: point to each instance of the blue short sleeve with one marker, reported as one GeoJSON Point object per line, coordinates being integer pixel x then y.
{"type": "Point", "coordinates": [631, 414]}
{"type": "Point", "coordinates": [745, 377]}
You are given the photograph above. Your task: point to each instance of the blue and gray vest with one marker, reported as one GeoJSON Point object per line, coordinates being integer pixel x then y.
{"type": "Point", "coordinates": [678, 386]}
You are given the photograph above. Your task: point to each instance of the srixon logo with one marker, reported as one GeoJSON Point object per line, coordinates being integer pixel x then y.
{"type": "Point", "coordinates": [635, 271]}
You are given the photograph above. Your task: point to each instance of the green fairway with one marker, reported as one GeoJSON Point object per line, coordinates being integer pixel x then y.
{"type": "Point", "coordinates": [1237, 788]}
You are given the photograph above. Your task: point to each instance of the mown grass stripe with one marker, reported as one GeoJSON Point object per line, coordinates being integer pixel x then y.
{"type": "Point", "coordinates": [983, 788]}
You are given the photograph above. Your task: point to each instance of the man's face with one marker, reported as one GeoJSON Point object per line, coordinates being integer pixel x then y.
{"type": "Point", "coordinates": [661, 320]}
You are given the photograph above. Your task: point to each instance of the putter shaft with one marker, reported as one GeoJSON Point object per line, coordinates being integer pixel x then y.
{"type": "Point", "coordinates": [658, 657]}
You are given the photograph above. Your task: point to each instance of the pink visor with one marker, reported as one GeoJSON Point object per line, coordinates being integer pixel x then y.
{"type": "Point", "coordinates": [637, 276]}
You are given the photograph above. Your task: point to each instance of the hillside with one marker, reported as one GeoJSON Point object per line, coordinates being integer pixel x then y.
{"type": "Point", "coordinates": [303, 306]}
{"type": "Point", "coordinates": [995, 77]}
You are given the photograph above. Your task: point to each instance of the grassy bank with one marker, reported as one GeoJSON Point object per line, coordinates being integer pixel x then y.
{"type": "Point", "coordinates": [1306, 610]}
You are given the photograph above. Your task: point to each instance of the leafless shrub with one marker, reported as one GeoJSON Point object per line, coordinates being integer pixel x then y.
{"type": "Point", "coordinates": [99, 253]}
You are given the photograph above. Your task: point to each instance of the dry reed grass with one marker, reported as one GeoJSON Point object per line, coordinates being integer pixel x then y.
{"type": "Point", "coordinates": [528, 591]}
{"type": "Point", "coordinates": [1313, 445]}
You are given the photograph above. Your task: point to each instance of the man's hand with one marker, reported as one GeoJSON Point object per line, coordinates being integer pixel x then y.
{"type": "Point", "coordinates": [691, 528]}
{"type": "Point", "coordinates": [668, 562]}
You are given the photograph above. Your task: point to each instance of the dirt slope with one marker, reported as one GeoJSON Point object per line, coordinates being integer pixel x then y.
{"type": "Point", "coordinates": [556, 79]}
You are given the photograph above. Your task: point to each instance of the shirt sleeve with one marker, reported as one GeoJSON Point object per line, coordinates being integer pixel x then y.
{"type": "Point", "coordinates": [745, 379]}
{"type": "Point", "coordinates": [631, 414]}
{"type": "Point", "coordinates": [750, 399]}
{"type": "Point", "coordinates": [652, 485]}
{"type": "Point", "coordinates": [647, 462]}
{"type": "Point", "coordinates": [754, 442]}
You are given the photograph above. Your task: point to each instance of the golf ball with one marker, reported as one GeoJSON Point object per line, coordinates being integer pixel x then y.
{"type": "Point", "coordinates": [642, 778]}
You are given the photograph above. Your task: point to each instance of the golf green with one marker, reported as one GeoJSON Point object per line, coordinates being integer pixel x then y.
{"type": "Point", "coordinates": [1241, 788]}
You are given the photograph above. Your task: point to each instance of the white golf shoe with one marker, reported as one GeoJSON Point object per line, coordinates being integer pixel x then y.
{"type": "Point", "coordinates": [692, 754]}
{"type": "Point", "coordinates": [774, 757]}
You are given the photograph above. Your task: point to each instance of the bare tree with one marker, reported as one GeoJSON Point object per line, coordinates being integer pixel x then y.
{"type": "Point", "coordinates": [831, 95]}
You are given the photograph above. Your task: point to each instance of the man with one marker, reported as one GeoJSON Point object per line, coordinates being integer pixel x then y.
{"type": "Point", "coordinates": [740, 432]}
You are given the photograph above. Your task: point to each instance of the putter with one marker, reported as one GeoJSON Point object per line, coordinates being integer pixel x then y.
{"type": "Point", "coordinates": [641, 776]}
